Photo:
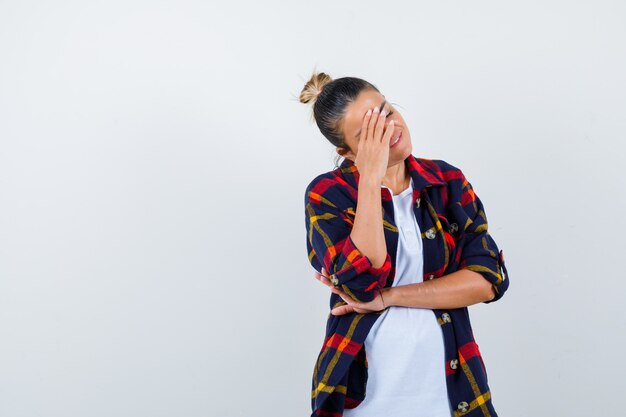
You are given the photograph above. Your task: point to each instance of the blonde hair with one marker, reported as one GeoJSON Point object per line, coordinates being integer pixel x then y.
{"type": "Point", "coordinates": [313, 88]}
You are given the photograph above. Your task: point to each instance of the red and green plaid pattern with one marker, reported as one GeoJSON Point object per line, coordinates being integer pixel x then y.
{"type": "Point", "coordinates": [454, 235]}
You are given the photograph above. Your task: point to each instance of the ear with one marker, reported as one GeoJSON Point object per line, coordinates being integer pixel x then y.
{"type": "Point", "coordinates": [348, 154]}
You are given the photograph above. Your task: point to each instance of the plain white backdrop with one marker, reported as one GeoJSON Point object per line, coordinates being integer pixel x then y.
{"type": "Point", "coordinates": [153, 161]}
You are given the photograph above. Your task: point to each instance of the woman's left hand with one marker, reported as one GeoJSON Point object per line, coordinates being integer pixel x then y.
{"type": "Point", "coordinates": [377, 304]}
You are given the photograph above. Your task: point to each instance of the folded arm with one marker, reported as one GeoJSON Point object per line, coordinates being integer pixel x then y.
{"type": "Point", "coordinates": [458, 289]}
{"type": "Point", "coordinates": [355, 255]}
{"type": "Point", "coordinates": [479, 251]}
{"type": "Point", "coordinates": [480, 276]}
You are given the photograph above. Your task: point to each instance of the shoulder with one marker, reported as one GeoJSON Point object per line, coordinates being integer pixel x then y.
{"type": "Point", "coordinates": [322, 182]}
{"type": "Point", "coordinates": [330, 188]}
{"type": "Point", "coordinates": [446, 171]}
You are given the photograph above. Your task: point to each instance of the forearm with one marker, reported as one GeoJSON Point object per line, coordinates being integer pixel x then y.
{"type": "Point", "coordinates": [367, 232]}
{"type": "Point", "coordinates": [458, 289]}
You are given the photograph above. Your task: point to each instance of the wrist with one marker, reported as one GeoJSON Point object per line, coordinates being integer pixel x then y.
{"type": "Point", "coordinates": [386, 295]}
{"type": "Point", "coordinates": [369, 181]}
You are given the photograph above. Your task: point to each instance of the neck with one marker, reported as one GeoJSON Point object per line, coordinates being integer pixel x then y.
{"type": "Point", "coordinates": [397, 176]}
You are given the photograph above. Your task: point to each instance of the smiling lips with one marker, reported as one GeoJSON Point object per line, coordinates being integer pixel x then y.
{"type": "Point", "coordinates": [394, 142]}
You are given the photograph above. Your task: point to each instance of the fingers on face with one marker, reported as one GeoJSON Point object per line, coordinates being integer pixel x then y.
{"type": "Point", "coordinates": [364, 125]}
{"type": "Point", "coordinates": [374, 124]}
{"type": "Point", "coordinates": [380, 125]}
{"type": "Point", "coordinates": [388, 132]}
{"type": "Point", "coordinates": [371, 126]}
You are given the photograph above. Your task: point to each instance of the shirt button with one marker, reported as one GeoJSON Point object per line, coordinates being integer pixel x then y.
{"type": "Point", "coordinates": [463, 407]}
{"type": "Point", "coordinates": [333, 279]}
{"type": "Point", "coordinates": [454, 227]}
{"type": "Point", "coordinates": [454, 363]}
{"type": "Point", "coordinates": [431, 276]}
{"type": "Point", "coordinates": [430, 233]}
{"type": "Point", "coordinates": [446, 318]}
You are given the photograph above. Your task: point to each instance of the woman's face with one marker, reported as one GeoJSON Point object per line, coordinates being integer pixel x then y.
{"type": "Point", "coordinates": [353, 120]}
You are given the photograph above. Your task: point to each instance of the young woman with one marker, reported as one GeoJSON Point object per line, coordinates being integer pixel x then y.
{"type": "Point", "coordinates": [402, 242]}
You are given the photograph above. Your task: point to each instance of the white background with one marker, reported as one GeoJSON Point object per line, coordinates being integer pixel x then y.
{"type": "Point", "coordinates": [153, 161]}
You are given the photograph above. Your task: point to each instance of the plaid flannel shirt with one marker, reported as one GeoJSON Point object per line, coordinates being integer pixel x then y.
{"type": "Point", "coordinates": [454, 234]}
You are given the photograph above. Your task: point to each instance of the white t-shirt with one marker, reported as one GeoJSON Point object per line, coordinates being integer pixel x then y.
{"type": "Point", "coordinates": [405, 348]}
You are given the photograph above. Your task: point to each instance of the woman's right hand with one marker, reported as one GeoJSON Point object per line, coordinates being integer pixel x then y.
{"type": "Point", "coordinates": [372, 155]}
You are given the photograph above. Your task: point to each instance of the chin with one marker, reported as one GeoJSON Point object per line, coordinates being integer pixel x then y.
{"type": "Point", "coordinates": [405, 152]}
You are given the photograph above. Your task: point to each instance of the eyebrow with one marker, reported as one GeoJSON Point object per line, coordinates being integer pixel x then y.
{"type": "Point", "coordinates": [382, 106]}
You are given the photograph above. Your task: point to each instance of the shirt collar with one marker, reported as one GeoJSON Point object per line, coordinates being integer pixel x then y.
{"type": "Point", "coordinates": [420, 169]}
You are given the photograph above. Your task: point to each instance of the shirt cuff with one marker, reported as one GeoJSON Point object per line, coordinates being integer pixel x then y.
{"type": "Point", "coordinates": [356, 263]}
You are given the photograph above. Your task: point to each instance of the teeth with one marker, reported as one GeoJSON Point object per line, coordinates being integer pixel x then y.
{"type": "Point", "coordinates": [397, 139]}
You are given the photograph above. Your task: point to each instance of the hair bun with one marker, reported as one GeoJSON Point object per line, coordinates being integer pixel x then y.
{"type": "Point", "coordinates": [313, 88]}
